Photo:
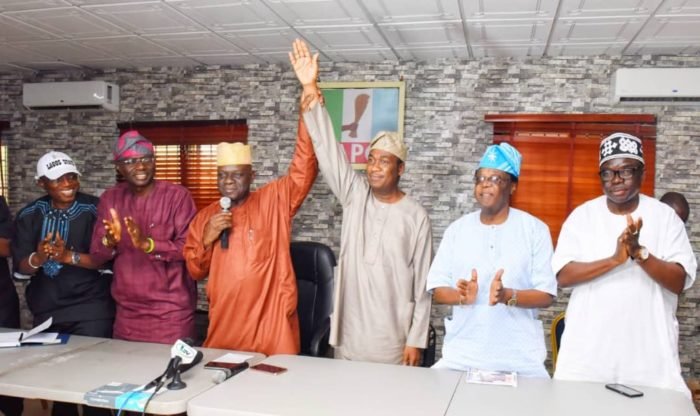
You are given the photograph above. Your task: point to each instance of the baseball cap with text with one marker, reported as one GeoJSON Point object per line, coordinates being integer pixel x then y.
{"type": "Point", "coordinates": [53, 165]}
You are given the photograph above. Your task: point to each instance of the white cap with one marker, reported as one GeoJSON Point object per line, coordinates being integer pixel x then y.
{"type": "Point", "coordinates": [53, 165]}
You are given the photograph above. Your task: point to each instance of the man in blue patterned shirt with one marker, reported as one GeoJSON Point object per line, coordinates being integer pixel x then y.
{"type": "Point", "coordinates": [52, 244]}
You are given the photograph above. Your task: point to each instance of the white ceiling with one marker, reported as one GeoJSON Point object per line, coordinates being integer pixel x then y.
{"type": "Point", "coordinates": [62, 34]}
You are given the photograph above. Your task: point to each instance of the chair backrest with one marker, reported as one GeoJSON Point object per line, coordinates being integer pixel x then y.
{"type": "Point", "coordinates": [429, 351]}
{"type": "Point", "coordinates": [313, 266]}
{"type": "Point", "coordinates": [556, 332]}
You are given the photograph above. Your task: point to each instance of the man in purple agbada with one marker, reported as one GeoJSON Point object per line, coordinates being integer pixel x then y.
{"type": "Point", "coordinates": [145, 226]}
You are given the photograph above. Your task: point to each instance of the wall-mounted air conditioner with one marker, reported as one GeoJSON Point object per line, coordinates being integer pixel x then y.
{"type": "Point", "coordinates": [71, 95]}
{"type": "Point", "coordinates": [656, 86]}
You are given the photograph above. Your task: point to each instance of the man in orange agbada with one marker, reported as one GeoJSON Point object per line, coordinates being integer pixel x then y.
{"type": "Point", "coordinates": [252, 288]}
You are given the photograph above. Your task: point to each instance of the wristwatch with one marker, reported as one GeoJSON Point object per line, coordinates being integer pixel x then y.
{"type": "Point", "coordinates": [513, 301]}
{"type": "Point", "coordinates": [75, 258]}
{"type": "Point", "coordinates": [642, 254]}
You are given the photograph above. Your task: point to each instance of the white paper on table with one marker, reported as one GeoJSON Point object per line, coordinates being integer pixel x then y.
{"type": "Point", "coordinates": [233, 357]}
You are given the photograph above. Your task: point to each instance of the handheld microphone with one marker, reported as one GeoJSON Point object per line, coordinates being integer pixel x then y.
{"type": "Point", "coordinates": [225, 204]}
{"type": "Point", "coordinates": [223, 374]}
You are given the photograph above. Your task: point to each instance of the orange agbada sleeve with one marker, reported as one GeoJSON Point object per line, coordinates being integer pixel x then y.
{"type": "Point", "coordinates": [197, 258]}
{"type": "Point", "coordinates": [303, 169]}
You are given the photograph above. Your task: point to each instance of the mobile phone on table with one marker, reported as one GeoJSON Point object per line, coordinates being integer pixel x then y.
{"type": "Point", "coordinates": [272, 369]}
{"type": "Point", "coordinates": [624, 390]}
{"type": "Point", "coordinates": [223, 365]}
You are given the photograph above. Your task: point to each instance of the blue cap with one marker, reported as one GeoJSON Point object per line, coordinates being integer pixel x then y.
{"type": "Point", "coordinates": [502, 157]}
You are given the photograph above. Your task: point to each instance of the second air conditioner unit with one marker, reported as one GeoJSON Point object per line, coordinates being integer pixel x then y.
{"type": "Point", "coordinates": [656, 86]}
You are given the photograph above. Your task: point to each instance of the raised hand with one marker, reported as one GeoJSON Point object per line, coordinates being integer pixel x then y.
{"type": "Point", "coordinates": [497, 291]}
{"type": "Point", "coordinates": [305, 65]}
{"type": "Point", "coordinates": [137, 238]}
{"type": "Point", "coordinates": [113, 228]}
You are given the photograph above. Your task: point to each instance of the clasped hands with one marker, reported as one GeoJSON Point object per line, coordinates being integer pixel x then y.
{"type": "Point", "coordinates": [628, 242]}
{"type": "Point", "coordinates": [53, 247]}
{"type": "Point", "coordinates": [113, 228]}
{"type": "Point", "coordinates": [469, 289]}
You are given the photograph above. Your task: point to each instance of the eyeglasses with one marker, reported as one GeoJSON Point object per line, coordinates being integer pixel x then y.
{"type": "Point", "coordinates": [493, 180]}
{"type": "Point", "coordinates": [624, 173]}
{"type": "Point", "coordinates": [133, 161]}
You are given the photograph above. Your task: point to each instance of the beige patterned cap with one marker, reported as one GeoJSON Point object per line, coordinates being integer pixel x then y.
{"type": "Point", "coordinates": [392, 142]}
{"type": "Point", "coordinates": [233, 154]}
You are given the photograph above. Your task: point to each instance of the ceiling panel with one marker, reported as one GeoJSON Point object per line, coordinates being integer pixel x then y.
{"type": "Point", "coordinates": [597, 9]}
{"type": "Point", "coordinates": [318, 12]}
{"type": "Point", "coordinates": [621, 29]}
{"type": "Point", "coordinates": [219, 15]}
{"type": "Point", "coordinates": [64, 50]}
{"type": "Point", "coordinates": [679, 7]}
{"type": "Point", "coordinates": [15, 5]}
{"type": "Point", "coordinates": [70, 22]}
{"type": "Point", "coordinates": [679, 29]}
{"type": "Point", "coordinates": [662, 49]}
{"type": "Point", "coordinates": [433, 53]}
{"type": "Point", "coordinates": [505, 50]}
{"type": "Point", "coordinates": [14, 31]}
{"type": "Point", "coordinates": [104, 63]}
{"type": "Point", "coordinates": [127, 47]}
{"type": "Point", "coordinates": [343, 37]}
{"type": "Point", "coordinates": [198, 43]}
{"type": "Point", "coordinates": [509, 9]}
{"type": "Point", "coordinates": [424, 34]}
{"type": "Point", "coordinates": [263, 41]}
{"type": "Point", "coordinates": [96, 2]}
{"type": "Point", "coordinates": [228, 59]}
{"type": "Point", "coordinates": [586, 49]}
{"type": "Point", "coordinates": [361, 55]}
{"type": "Point", "coordinates": [402, 11]}
{"type": "Point", "coordinates": [509, 31]}
{"type": "Point", "coordinates": [51, 65]}
{"type": "Point", "coordinates": [7, 67]}
{"type": "Point", "coordinates": [148, 18]}
{"type": "Point", "coordinates": [164, 61]}
{"type": "Point", "coordinates": [9, 54]}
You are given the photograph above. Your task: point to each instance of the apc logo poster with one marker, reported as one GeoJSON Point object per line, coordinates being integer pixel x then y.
{"type": "Point", "coordinates": [359, 110]}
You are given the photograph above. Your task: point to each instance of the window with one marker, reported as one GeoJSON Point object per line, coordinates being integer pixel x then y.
{"type": "Point", "coordinates": [186, 152]}
{"type": "Point", "coordinates": [3, 163]}
{"type": "Point", "coordinates": [560, 158]}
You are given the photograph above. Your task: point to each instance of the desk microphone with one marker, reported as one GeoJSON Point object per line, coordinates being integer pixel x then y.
{"type": "Point", "coordinates": [225, 204]}
{"type": "Point", "coordinates": [184, 357]}
{"type": "Point", "coordinates": [223, 374]}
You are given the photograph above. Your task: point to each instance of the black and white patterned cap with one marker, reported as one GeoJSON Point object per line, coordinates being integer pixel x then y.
{"type": "Point", "coordinates": [621, 145]}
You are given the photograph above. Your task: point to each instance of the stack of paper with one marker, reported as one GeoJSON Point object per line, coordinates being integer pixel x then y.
{"type": "Point", "coordinates": [35, 336]}
{"type": "Point", "coordinates": [499, 378]}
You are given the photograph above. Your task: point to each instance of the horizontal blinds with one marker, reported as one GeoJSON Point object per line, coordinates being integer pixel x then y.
{"type": "Point", "coordinates": [560, 159]}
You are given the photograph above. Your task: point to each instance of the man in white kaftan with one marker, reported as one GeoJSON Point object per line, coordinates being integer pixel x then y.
{"type": "Point", "coordinates": [620, 322]}
{"type": "Point", "coordinates": [381, 309]}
